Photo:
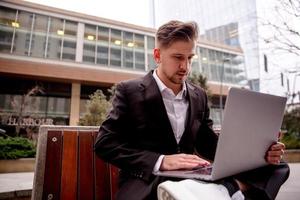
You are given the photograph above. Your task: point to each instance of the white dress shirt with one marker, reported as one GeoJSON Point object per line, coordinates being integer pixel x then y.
{"type": "Point", "coordinates": [176, 107]}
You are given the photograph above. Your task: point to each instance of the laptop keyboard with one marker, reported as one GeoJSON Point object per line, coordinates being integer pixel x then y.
{"type": "Point", "coordinates": [202, 170]}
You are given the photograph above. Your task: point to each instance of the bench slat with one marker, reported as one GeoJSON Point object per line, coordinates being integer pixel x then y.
{"type": "Point", "coordinates": [53, 161]}
{"type": "Point", "coordinates": [114, 174]}
{"type": "Point", "coordinates": [69, 166]}
{"type": "Point", "coordinates": [85, 164]}
{"type": "Point", "coordinates": [102, 177]}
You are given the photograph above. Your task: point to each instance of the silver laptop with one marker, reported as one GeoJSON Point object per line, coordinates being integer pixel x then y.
{"type": "Point", "coordinates": [251, 124]}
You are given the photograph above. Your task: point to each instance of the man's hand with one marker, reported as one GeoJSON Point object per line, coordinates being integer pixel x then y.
{"type": "Point", "coordinates": [182, 161]}
{"type": "Point", "coordinates": [275, 153]}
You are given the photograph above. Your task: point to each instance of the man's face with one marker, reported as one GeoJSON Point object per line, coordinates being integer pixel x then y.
{"type": "Point", "coordinates": [174, 62]}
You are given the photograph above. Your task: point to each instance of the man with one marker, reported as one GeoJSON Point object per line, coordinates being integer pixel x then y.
{"type": "Point", "coordinates": [161, 122]}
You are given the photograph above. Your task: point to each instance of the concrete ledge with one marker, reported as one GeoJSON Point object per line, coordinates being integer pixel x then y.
{"type": "Point", "coordinates": [18, 165]}
{"type": "Point", "coordinates": [16, 195]}
{"type": "Point", "coordinates": [16, 186]}
{"type": "Point", "coordinates": [292, 155]}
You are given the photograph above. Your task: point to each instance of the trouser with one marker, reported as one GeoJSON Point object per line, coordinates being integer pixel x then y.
{"type": "Point", "coordinates": [265, 181]}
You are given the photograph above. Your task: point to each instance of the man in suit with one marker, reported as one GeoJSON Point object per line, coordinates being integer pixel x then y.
{"type": "Point", "coordinates": [161, 122]}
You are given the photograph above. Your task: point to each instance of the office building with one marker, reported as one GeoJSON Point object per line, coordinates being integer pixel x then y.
{"type": "Point", "coordinates": [51, 60]}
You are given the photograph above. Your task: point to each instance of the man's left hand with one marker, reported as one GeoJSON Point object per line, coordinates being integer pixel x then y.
{"type": "Point", "coordinates": [275, 153]}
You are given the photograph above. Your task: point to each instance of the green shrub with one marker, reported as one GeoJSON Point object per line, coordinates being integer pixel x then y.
{"type": "Point", "coordinates": [292, 126]}
{"type": "Point", "coordinates": [16, 147]}
{"type": "Point", "coordinates": [291, 141]}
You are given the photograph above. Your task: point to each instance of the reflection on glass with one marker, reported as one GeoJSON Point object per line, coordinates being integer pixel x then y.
{"type": "Point", "coordinates": [139, 52]}
{"type": "Point", "coordinates": [39, 36]}
{"type": "Point", "coordinates": [115, 47]}
{"type": "Point", "coordinates": [128, 49]}
{"type": "Point", "coordinates": [89, 44]}
{"type": "Point", "coordinates": [150, 47]}
{"type": "Point", "coordinates": [58, 107]}
{"type": "Point", "coordinates": [102, 45]}
{"type": "Point", "coordinates": [69, 44]}
{"type": "Point", "coordinates": [22, 35]}
{"type": "Point", "coordinates": [204, 62]}
{"type": "Point", "coordinates": [7, 19]}
{"type": "Point", "coordinates": [215, 69]}
{"type": "Point", "coordinates": [195, 62]}
{"type": "Point", "coordinates": [55, 40]}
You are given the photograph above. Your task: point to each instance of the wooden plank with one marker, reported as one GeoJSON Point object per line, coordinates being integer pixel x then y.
{"type": "Point", "coordinates": [102, 177]}
{"type": "Point", "coordinates": [69, 165]}
{"type": "Point", "coordinates": [114, 174]}
{"type": "Point", "coordinates": [51, 188]}
{"type": "Point", "coordinates": [85, 165]}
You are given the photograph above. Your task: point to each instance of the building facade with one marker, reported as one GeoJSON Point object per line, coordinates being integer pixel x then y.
{"type": "Point", "coordinates": [51, 60]}
{"type": "Point", "coordinates": [233, 23]}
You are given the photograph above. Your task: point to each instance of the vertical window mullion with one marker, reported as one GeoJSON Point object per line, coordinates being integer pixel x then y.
{"type": "Point", "coordinates": [14, 33]}
{"type": "Point", "coordinates": [47, 37]}
{"type": "Point", "coordinates": [133, 51]}
{"type": "Point", "coordinates": [96, 42]}
{"type": "Point", "coordinates": [109, 38]}
{"type": "Point", "coordinates": [122, 48]}
{"type": "Point", "coordinates": [62, 40]}
{"type": "Point", "coordinates": [31, 33]}
{"type": "Point", "coordinates": [146, 53]}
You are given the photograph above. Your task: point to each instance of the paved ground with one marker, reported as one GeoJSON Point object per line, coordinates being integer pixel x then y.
{"type": "Point", "coordinates": [22, 182]}
{"type": "Point", "coordinates": [291, 188]}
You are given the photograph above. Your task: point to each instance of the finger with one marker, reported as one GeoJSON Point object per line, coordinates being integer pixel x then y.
{"type": "Point", "coordinates": [273, 160]}
{"type": "Point", "coordinates": [193, 161]}
{"type": "Point", "coordinates": [275, 153]}
{"type": "Point", "coordinates": [191, 165]}
{"type": "Point", "coordinates": [278, 146]}
{"type": "Point", "coordinates": [194, 158]}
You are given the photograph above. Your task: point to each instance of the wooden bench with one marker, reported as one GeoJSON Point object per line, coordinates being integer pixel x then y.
{"type": "Point", "coordinates": [67, 167]}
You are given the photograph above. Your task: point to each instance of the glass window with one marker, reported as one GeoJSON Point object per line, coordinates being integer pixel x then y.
{"type": "Point", "coordinates": [150, 47]}
{"type": "Point", "coordinates": [195, 62]}
{"type": "Point", "coordinates": [69, 44]}
{"type": "Point", "coordinates": [58, 107]}
{"type": "Point", "coordinates": [23, 32]}
{"type": "Point", "coordinates": [102, 45]}
{"type": "Point", "coordinates": [7, 24]}
{"type": "Point", "coordinates": [35, 106]}
{"type": "Point", "coordinates": [89, 44]}
{"type": "Point", "coordinates": [39, 36]}
{"type": "Point", "coordinates": [139, 52]}
{"type": "Point", "coordinates": [204, 62]}
{"type": "Point", "coordinates": [214, 67]}
{"type": "Point", "coordinates": [115, 47]}
{"type": "Point", "coordinates": [128, 49]}
{"type": "Point", "coordinates": [56, 33]}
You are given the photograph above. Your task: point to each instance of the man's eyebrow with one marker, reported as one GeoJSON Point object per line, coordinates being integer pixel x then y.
{"type": "Point", "coordinates": [181, 54]}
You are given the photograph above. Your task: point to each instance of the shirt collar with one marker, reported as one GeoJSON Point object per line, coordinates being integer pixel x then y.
{"type": "Point", "coordinates": [162, 87]}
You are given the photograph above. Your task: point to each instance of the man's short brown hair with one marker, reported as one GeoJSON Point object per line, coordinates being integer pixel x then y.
{"type": "Point", "coordinates": [176, 30]}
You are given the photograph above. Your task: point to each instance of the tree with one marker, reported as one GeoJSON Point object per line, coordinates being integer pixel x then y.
{"type": "Point", "coordinates": [285, 27]}
{"type": "Point", "coordinates": [97, 108]}
{"type": "Point", "coordinates": [25, 103]}
{"type": "Point", "coordinates": [292, 126]}
{"type": "Point", "coordinates": [200, 80]}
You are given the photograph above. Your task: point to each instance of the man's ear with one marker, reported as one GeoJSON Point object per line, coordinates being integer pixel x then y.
{"type": "Point", "coordinates": [156, 55]}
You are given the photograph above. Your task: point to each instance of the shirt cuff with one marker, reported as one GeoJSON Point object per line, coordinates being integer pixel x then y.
{"type": "Point", "coordinates": [158, 163]}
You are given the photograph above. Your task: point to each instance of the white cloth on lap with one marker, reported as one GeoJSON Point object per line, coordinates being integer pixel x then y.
{"type": "Point", "coordinates": [192, 190]}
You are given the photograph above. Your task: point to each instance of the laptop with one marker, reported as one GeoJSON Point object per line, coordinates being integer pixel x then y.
{"type": "Point", "coordinates": [250, 125]}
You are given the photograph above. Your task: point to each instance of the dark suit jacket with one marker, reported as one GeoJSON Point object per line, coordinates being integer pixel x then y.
{"type": "Point", "coordinates": [137, 131]}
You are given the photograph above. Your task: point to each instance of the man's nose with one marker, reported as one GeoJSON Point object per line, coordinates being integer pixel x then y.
{"type": "Point", "coordinates": [185, 64]}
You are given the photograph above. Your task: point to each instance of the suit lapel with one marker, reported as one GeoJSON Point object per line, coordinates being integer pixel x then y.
{"type": "Point", "coordinates": [193, 98]}
{"type": "Point", "coordinates": [190, 117]}
{"type": "Point", "coordinates": [155, 106]}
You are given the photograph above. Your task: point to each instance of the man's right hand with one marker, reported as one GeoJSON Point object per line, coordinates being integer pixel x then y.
{"type": "Point", "coordinates": [182, 161]}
